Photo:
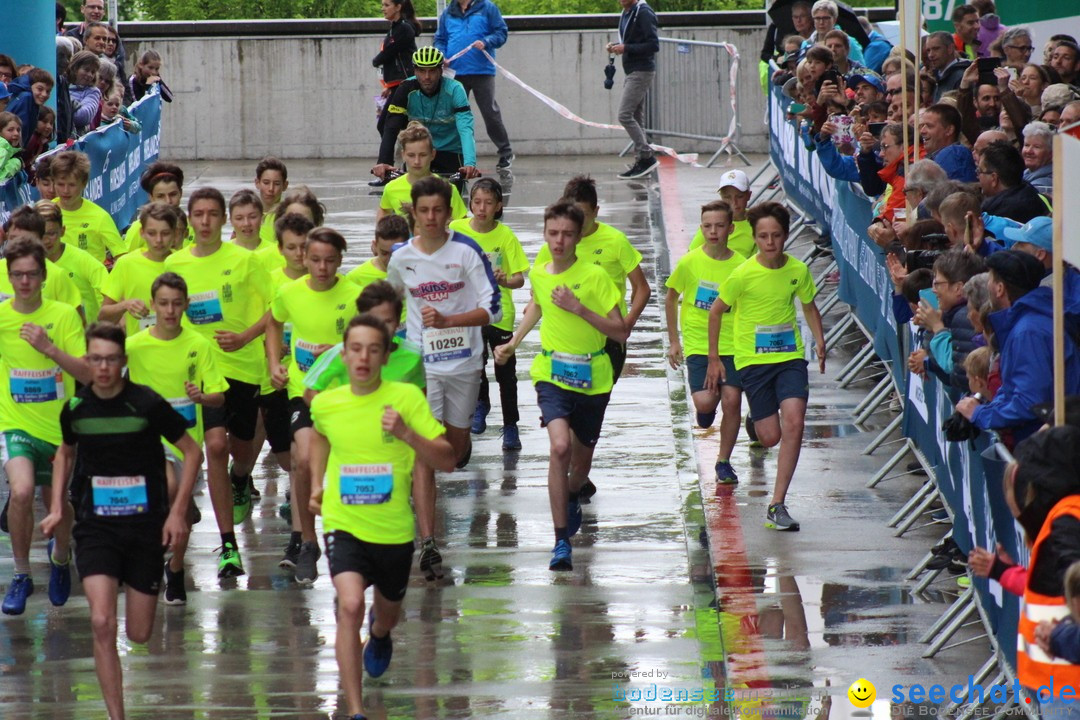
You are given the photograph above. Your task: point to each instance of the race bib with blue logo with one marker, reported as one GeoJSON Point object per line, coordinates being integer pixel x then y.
{"type": "Point", "coordinates": [36, 386]}
{"type": "Point", "coordinates": [775, 339]}
{"type": "Point", "coordinates": [186, 408]}
{"type": "Point", "coordinates": [366, 484]}
{"type": "Point", "coordinates": [119, 496]}
{"type": "Point", "coordinates": [445, 344]}
{"type": "Point", "coordinates": [572, 370]}
{"type": "Point", "coordinates": [205, 308]}
{"type": "Point", "coordinates": [305, 354]}
{"type": "Point", "coordinates": [706, 294]}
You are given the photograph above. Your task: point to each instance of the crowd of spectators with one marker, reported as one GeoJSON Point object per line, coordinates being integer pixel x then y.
{"type": "Point", "coordinates": [968, 233]}
{"type": "Point", "coordinates": [91, 89]}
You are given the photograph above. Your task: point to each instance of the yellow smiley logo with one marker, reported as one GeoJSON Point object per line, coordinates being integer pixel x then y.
{"type": "Point", "coordinates": [862, 693]}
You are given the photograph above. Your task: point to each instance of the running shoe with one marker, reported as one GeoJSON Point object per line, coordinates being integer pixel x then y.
{"type": "Point", "coordinates": [479, 419]}
{"type": "Point", "coordinates": [431, 560]}
{"type": "Point", "coordinates": [463, 462]}
{"type": "Point", "coordinates": [560, 557]}
{"type": "Point", "coordinates": [229, 563]}
{"type": "Point", "coordinates": [573, 518]}
{"type": "Point", "coordinates": [779, 519]}
{"type": "Point", "coordinates": [705, 420]}
{"type": "Point", "coordinates": [641, 168]}
{"type": "Point", "coordinates": [511, 438]}
{"type": "Point", "coordinates": [307, 563]}
{"type": "Point", "coordinates": [21, 587]}
{"type": "Point", "coordinates": [752, 433]}
{"type": "Point", "coordinates": [284, 512]}
{"type": "Point", "coordinates": [725, 474]}
{"type": "Point", "coordinates": [241, 499]}
{"type": "Point", "coordinates": [252, 490]}
{"type": "Point", "coordinates": [175, 592]}
{"type": "Point", "coordinates": [59, 578]}
{"type": "Point", "coordinates": [377, 650]}
{"type": "Point", "coordinates": [505, 162]}
{"type": "Point", "coordinates": [586, 492]}
{"type": "Point", "coordinates": [292, 554]}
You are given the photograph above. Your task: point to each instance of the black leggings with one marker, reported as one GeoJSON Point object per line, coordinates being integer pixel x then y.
{"type": "Point", "coordinates": [505, 375]}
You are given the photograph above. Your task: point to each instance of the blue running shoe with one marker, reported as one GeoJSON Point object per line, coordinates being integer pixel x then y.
{"type": "Point", "coordinates": [725, 474]}
{"type": "Point", "coordinates": [573, 518]}
{"type": "Point", "coordinates": [560, 557]}
{"type": "Point", "coordinates": [511, 438]}
{"type": "Point", "coordinates": [479, 420]}
{"type": "Point", "coordinates": [59, 579]}
{"type": "Point", "coordinates": [21, 587]}
{"type": "Point", "coordinates": [377, 651]}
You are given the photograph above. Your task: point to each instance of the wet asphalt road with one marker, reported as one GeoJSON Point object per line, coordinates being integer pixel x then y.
{"type": "Point", "coordinates": [502, 637]}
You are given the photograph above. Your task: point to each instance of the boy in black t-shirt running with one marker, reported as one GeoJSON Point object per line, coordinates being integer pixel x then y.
{"type": "Point", "coordinates": [112, 432]}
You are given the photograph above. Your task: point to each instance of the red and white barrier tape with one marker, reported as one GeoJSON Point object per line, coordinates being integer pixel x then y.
{"type": "Point", "coordinates": [562, 110]}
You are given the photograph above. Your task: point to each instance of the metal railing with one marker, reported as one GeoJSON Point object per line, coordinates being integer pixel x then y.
{"type": "Point", "coordinates": [682, 102]}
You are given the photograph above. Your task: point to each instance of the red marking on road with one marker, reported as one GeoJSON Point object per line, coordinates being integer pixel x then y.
{"type": "Point", "coordinates": [745, 656]}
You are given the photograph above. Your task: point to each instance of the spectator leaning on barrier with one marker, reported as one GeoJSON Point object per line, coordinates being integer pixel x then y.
{"type": "Point", "coordinates": [1022, 325]}
{"type": "Point", "coordinates": [942, 60]}
{"type": "Point", "coordinates": [65, 126]}
{"type": "Point", "coordinates": [965, 19]}
{"type": "Point", "coordinates": [85, 95]}
{"type": "Point", "coordinates": [1005, 192]}
{"type": "Point", "coordinates": [939, 128]}
{"type": "Point", "coordinates": [1043, 494]}
{"type": "Point", "coordinates": [824, 13]}
{"type": "Point", "coordinates": [639, 41]}
{"type": "Point", "coordinates": [30, 93]}
{"type": "Point", "coordinates": [953, 331]}
{"type": "Point", "coordinates": [477, 24]}
{"type": "Point", "coordinates": [93, 11]}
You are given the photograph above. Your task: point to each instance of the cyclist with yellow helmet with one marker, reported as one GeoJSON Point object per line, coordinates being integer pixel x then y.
{"type": "Point", "coordinates": [441, 104]}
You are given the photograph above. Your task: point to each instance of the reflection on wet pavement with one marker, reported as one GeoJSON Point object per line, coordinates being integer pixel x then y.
{"type": "Point", "coordinates": [502, 637]}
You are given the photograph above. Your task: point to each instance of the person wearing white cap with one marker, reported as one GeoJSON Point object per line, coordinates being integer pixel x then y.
{"type": "Point", "coordinates": [735, 191]}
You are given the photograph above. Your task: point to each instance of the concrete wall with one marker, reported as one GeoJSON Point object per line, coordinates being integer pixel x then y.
{"type": "Point", "coordinates": [312, 97]}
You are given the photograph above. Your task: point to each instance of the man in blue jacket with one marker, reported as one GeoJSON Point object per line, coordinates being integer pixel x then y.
{"type": "Point", "coordinates": [477, 24]}
{"type": "Point", "coordinates": [638, 44]}
{"type": "Point", "coordinates": [1024, 330]}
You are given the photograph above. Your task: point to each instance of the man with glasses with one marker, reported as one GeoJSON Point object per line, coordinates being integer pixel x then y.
{"type": "Point", "coordinates": [894, 93]}
{"type": "Point", "coordinates": [41, 349]}
{"type": "Point", "coordinates": [1017, 45]}
{"type": "Point", "coordinates": [824, 14]}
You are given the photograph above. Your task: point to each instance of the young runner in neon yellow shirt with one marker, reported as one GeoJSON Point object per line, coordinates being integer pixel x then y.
{"type": "Point", "coordinates": [509, 264]}
{"type": "Point", "coordinates": [572, 373]}
{"type": "Point", "coordinates": [41, 349]}
{"type": "Point", "coordinates": [246, 217]}
{"type": "Point", "coordinates": [319, 306]}
{"type": "Point", "coordinates": [27, 224]}
{"type": "Point", "coordinates": [188, 386]}
{"type": "Point", "coordinates": [418, 150]}
{"type": "Point", "coordinates": [126, 292]}
{"type": "Point", "coordinates": [362, 490]}
{"type": "Point", "coordinates": [768, 345]}
{"type": "Point", "coordinates": [735, 191]}
{"type": "Point", "coordinates": [86, 273]}
{"type": "Point", "coordinates": [87, 226]}
{"type": "Point", "coordinates": [696, 279]}
{"type": "Point", "coordinates": [609, 248]}
{"type": "Point", "coordinates": [227, 303]}
{"type": "Point", "coordinates": [271, 180]}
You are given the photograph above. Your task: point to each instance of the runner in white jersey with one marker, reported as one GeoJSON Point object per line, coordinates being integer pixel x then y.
{"type": "Point", "coordinates": [450, 294]}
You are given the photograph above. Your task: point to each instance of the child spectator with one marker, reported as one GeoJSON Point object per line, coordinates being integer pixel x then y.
{"type": "Point", "coordinates": [40, 139]}
{"type": "Point", "coordinates": [977, 368]}
{"type": "Point", "coordinates": [43, 177]}
{"type": "Point", "coordinates": [29, 93]}
{"type": "Point", "coordinates": [10, 145]}
{"type": "Point", "coordinates": [953, 331]}
{"type": "Point", "coordinates": [877, 112]}
{"type": "Point", "coordinates": [86, 225]}
{"type": "Point", "coordinates": [113, 110]}
{"type": "Point", "coordinates": [147, 74]}
{"type": "Point", "coordinates": [912, 285]}
{"type": "Point", "coordinates": [85, 95]}
{"type": "Point", "coordinates": [978, 295]}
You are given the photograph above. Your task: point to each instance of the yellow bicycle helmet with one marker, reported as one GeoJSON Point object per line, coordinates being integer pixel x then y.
{"type": "Point", "coordinates": [427, 57]}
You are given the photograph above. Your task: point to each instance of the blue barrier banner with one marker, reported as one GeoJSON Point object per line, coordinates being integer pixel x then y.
{"type": "Point", "coordinates": [117, 160]}
{"type": "Point", "coordinates": [970, 483]}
